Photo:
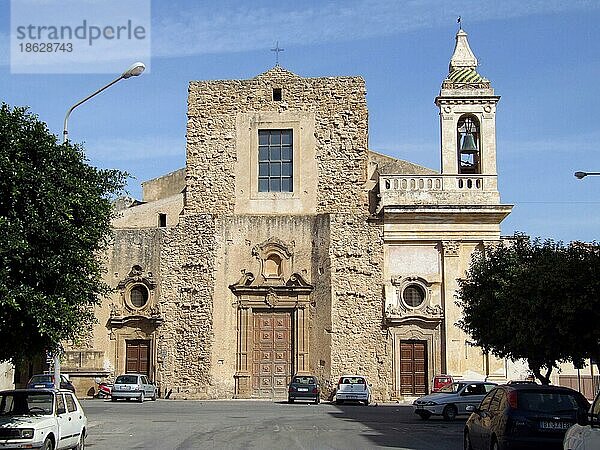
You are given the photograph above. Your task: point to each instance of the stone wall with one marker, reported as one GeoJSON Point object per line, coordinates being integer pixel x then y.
{"type": "Point", "coordinates": [321, 317]}
{"type": "Point", "coordinates": [340, 133]}
{"type": "Point", "coordinates": [187, 294]}
{"type": "Point", "coordinates": [359, 341]}
{"type": "Point", "coordinates": [162, 187]}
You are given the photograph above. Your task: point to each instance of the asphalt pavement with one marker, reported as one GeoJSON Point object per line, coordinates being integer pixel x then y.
{"type": "Point", "coordinates": [241, 424]}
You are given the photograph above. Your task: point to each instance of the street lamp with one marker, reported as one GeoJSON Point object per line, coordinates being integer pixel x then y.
{"type": "Point", "coordinates": [134, 70]}
{"type": "Point", "coordinates": [581, 175]}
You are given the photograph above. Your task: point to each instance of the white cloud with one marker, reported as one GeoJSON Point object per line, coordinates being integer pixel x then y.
{"type": "Point", "coordinates": [207, 29]}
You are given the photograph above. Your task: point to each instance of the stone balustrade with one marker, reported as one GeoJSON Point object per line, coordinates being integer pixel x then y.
{"type": "Point", "coordinates": [432, 189]}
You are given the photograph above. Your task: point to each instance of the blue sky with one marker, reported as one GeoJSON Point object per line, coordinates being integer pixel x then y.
{"type": "Point", "coordinates": [542, 57]}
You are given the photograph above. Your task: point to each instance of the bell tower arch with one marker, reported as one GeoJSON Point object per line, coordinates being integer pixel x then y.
{"type": "Point", "coordinates": [467, 118]}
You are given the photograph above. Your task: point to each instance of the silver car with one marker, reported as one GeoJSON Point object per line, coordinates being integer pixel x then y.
{"type": "Point", "coordinates": [133, 385]}
{"type": "Point", "coordinates": [452, 399]}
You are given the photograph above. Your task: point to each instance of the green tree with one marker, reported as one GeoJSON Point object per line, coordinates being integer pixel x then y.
{"type": "Point", "coordinates": [55, 213]}
{"type": "Point", "coordinates": [533, 300]}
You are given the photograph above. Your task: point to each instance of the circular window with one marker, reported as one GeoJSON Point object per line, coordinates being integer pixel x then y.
{"type": "Point", "coordinates": [413, 295]}
{"type": "Point", "coordinates": [138, 295]}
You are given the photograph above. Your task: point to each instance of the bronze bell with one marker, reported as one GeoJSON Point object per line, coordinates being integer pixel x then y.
{"type": "Point", "coordinates": [468, 143]}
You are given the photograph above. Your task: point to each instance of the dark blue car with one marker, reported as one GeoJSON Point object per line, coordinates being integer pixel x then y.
{"type": "Point", "coordinates": [524, 416]}
{"type": "Point", "coordinates": [46, 381]}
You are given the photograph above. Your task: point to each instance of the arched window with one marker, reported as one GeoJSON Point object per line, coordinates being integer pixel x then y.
{"type": "Point", "coordinates": [468, 144]}
{"type": "Point", "coordinates": [272, 267]}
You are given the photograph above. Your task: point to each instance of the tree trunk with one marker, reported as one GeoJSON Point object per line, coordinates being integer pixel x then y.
{"type": "Point", "coordinates": [537, 371]}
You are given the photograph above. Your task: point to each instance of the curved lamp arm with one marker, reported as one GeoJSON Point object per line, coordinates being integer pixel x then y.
{"type": "Point", "coordinates": [133, 71]}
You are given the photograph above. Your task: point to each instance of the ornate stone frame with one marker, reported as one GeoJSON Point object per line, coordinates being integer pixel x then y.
{"type": "Point", "coordinates": [251, 294]}
{"type": "Point", "coordinates": [400, 312]}
{"type": "Point", "coordinates": [121, 314]}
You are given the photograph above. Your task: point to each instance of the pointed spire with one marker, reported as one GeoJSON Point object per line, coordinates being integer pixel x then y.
{"type": "Point", "coordinates": [463, 57]}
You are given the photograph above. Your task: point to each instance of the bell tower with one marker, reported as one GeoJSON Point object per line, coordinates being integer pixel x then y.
{"type": "Point", "coordinates": [467, 118]}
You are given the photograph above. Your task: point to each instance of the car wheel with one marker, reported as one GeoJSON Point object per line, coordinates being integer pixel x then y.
{"type": "Point", "coordinates": [424, 415]}
{"type": "Point", "coordinates": [81, 444]}
{"type": "Point", "coordinates": [141, 399]}
{"type": "Point", "coordinates": [339, 402]}
{"type": "Point", "coordinates": [290, 400]}
{"type": "Point", "coordinates": [467, 442]}
{"type": "Point", "coordinates": [113, 399]}
{"type": "Point", "coordinates": [48, 444]}
{"type": "Point", "coordinates": [450, 412]}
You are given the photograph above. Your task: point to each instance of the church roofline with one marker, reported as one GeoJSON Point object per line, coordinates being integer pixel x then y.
{"type": "Point", "coordinates": [278, 72]}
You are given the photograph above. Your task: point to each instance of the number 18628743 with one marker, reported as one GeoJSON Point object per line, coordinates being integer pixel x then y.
{"type": "Point", "coordinates": [46, 47]}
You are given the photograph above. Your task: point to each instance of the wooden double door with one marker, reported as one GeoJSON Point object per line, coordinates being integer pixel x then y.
{"type": "Point", "coordinates": [137, 357]}
{"type": "Point", "coordinates": [272, 355]}
{"type": "Point", "coordinates": [413, 368]}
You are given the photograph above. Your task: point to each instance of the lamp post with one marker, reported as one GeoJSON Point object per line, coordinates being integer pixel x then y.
{"type": "Point", "coordinates": [134, 70]}
{"type": "Point", "coordinates": [581, 175]}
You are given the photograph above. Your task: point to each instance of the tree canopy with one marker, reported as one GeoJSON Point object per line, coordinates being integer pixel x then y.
{"type": "Point", "coordinates": [534, 300]}
{"type": "Point", "coordinates": [55, 213]}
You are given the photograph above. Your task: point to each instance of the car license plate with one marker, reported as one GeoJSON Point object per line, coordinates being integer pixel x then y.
{"type": "Point", "coordinates": [39, 386]}
{"type": "Point", "coordinates": [302, 389]}
{"type": "Point", "coordinates": [352, 396]}
{"type": "Point", "coordinates": [549, 425]}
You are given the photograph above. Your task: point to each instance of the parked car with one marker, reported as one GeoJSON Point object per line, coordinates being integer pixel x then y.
{"type": "Point", "coordinates": [585, 436]}
{"type": "Point", "coordinates": [523, 415]}
{"type": "Point", "coordinates": [439, 381]}
{"type": "Point", "coordinates": [46, 381]}
{"type": "Point", "coordinates": [452, 400]}
{"type": "Point", "coordinates": [41, 418]}
{"type": "Point", "coordinates": [354, 388]}
{"type": "Point", "coordinates": [304, 387]}
{"type": "Point", "coordinates": [133, 385]}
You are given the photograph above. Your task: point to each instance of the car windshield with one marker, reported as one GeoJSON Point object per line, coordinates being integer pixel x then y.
{"type": "Point", "coordinates": [548, 402]}
{"type": "Point", "coordinates": [127, 379]}
{"type": "Point", "coordinates": [41, 379]}
{"type": "Point", "coordinates": [26, 403]}
{"type": "Point", "coordinates": [304, 380]}
{"type": "Point", "coordinates": [452, 388]}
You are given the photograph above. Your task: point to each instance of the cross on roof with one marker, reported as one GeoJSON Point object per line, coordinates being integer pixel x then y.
{"type": "Point", "coordinates": [277, 50]}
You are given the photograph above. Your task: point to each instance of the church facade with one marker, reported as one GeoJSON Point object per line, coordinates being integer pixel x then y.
{"type": "Point", "coordinates": [286, 245]}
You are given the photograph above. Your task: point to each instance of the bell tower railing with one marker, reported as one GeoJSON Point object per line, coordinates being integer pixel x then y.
{"type": "Point", "coordinates": [438, 189]}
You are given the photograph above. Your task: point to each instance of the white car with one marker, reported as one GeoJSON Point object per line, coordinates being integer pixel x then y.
{"type": "Point", "coordinates": [452, 399]}
{"type": "Point", "coordinates": [41, 418]}
{"type": "Point", "coordinates": [585, 437]}
{"type": "Point", "coordinates": [133, 385]}
{"type": "Point", "coordinates": [354, 388]}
